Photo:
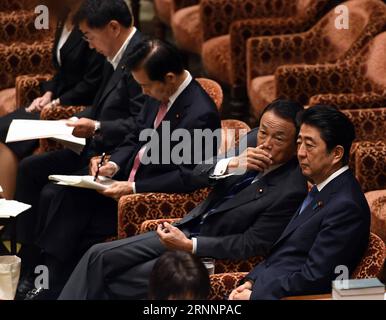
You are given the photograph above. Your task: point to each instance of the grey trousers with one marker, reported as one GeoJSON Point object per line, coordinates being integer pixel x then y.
{"type": "Point", "coordinates": [115, 270]}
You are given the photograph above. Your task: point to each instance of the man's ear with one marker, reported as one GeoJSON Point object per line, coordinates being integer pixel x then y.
{"type": "Point", "coordinates": [170, 78]}
{"type": "Point", "coordinates": [338, 153]}
{"type": "Point", "coordinates": [115, 27]}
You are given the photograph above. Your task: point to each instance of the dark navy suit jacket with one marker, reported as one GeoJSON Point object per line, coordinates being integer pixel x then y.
{"type": "Point", "coordinates": [333, 230]}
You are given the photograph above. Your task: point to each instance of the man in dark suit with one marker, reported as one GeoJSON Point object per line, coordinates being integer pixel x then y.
{"type": "Point", "coordinates": [108, 26]}
{"type": "Point", "coordinates": [68, 224]}
{"type": "Point", "coordinates": [332, 226]}
{"type": "Point", "coordinates": [241, 218]}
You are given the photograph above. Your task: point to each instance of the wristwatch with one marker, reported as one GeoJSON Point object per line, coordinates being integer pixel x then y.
{"type": "Point", "coordinates": [55, 102]}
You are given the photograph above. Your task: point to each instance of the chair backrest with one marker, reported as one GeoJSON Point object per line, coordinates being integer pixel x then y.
{"type": "Point", "coordinates": [373, 259]}
{"type": "Point", "coordinates": [369, 165]}
{"type": "Point", "coordinates": [231, 131]}
{"type": "Point", "coordinates": [377, 203]}
{"type": "Point", "coordinates": [372, 66]}
{"type": "Point", "coordinates": [365, 18]}
{"type": "Point", "coordinates": [368, 123]}
{"type": "Point", "coordinates": [213, 89]}
{"type": "Point", "coordinates": [11, 5]}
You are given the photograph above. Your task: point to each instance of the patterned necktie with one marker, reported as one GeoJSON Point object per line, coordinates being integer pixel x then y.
{"type": "Point", "coordinates": [310, 197]}
{"type": "Point", "coordinates": [163, 108]}
{"type": "Point", "coordinates": [247, 180]}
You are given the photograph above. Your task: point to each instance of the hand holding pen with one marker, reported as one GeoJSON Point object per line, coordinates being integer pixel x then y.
{"type": "Point", "coordinates": [100, 164]}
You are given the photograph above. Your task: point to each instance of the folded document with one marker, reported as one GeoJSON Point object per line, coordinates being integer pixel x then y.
{"type": "Point", "coordinates": [11, 208]}
{"type": "Point", "coordinates": [83, 181]}
{"type": "Point", "coordinates": [21, 130]}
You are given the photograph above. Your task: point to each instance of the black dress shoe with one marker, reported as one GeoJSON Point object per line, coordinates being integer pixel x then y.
{"type": "Point", "coordinates": [42, 294]}
{"type": "Point", "coordinates": [25, 285]}
{"type": "Point", "coordinates": [35, 294]}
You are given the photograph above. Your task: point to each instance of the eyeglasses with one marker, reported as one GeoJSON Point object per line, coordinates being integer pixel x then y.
{"type": "Point", "coordinates": [86, 38]}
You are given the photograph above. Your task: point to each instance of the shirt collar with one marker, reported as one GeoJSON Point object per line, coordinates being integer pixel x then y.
{"type": "Point", "coordinates": [321, 185]}
{"type": "Point", "coordinates": [181, 88]}
{"type": "Point", "coordinates": [118, 56]}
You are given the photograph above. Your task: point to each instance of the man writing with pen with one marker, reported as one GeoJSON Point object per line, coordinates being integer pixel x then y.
{"type": "Point", "coordinates": [77, 218]}
{"type": "Point", "coordinates": [100, 164]}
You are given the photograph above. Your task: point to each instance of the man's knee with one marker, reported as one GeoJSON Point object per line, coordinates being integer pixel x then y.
{"type": "Point", "coordinates": [96, 252]}
{"type": "Point", "coordinates": [50, 191]}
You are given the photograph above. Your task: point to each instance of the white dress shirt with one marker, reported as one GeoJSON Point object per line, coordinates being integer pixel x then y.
{"type": "Point", "coordinates": [118, 56]}
{"type": "Point", "coordinates": [63, 39]}
{"type": "Point", "coordinates": [337, 173]}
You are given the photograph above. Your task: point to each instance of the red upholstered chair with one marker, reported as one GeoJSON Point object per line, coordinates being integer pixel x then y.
{"type": "Point", "coordinates": [370, 165]}
{"type": "Point", "coordinates": [20, 59]}
{"type": "Point", "coordinates": [323, 43]}
{"type": "Point", "coordinates": [19, 26]}
{"type": "Point", "coordinates": [226, 30]}
{"type": "Point", "coordinates": [12, 5]}
{"type": "Point", "coordinates": [164, 11]}
{"type": "Point", "coordinates": [371, 136]}
{"type": "Point", "coordinates": [356, 83]}
{"type": "Point", "coordinates": [377, 204]}
{"type": "Point", "coordinates": [369, 267]}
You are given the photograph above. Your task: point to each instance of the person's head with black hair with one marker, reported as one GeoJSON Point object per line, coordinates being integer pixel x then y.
{"type": "Point", "coordinates": [179, 275]}
{"type": "Point", "coordinates": [324, 142]}
{"type": "Point", "coordinates": [278, 130]}
{"type": "Point", "coordinates": [158, 68]}
{"type": "Point", "coordinates": [286, 109]}
{"type": "Point", "coordinates": [105, 24]}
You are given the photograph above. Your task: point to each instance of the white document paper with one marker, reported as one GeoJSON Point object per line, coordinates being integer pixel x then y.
{"type": "Point", "coordinates": [12, 208]}
{"type": "Point", "coordinates": [82, 181]}
{"type": "Point", "coordinates": [21, 130]}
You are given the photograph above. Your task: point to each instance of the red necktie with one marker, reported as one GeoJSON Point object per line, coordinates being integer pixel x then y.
{"type": "Point", "coordinates": [163, 108]}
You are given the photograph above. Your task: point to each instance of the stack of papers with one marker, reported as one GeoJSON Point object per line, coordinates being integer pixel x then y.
{"type": "Point", "coordinates": [21, 130]}
{"type": "Point", "coordinates": [358, 289]}
{"type": "Point", "coordinates": [11, 208]}
{"type": "Point", "coordinates": [83, 181]}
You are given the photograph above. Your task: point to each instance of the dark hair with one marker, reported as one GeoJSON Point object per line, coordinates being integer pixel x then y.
{"type": "Point", "coordinates": [179, 275]}
{"type": "Point", "coordinates": [334, 126]}
{"type": "Point", "coordinates": [285, 109]}
{"type": "Point", "coordinates": [98, 13]}
{"type": "Point", "coordinates": [157, 58]}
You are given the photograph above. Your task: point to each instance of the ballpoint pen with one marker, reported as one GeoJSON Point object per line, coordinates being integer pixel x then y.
{"type": "Point", "coordinates": [100, 164]}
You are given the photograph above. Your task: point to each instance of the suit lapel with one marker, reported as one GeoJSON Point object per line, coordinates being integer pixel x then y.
{"type": "Point", "coordinates": [256, 190]}
{"type": "Point", "coordinates": [58, 33]}
{"type": "Point", "coordinates": [321, 199]}
{"type": "Point", "coordinates": [178, 109]}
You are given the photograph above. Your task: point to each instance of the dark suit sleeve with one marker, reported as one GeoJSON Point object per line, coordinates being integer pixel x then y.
{"type": "Point", "coordinates": [339, 241]}
{"type": "Point", "coordinates": [122, 154]}
{"type": "Point", "coordinates": [205, 169]}
{"type": "Point", "coordinates": [85, 89]}
{"type": "Point", "coordinates": [258, 239]}
{"type": "Point", "coordinates": [114, 130]}
{"type": "Point", "coordinates": [49, 85]}
{"type": "Point", "coordinates": [86, 113]}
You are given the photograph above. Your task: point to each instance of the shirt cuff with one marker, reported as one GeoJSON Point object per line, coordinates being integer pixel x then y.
{"type": "Point", "coordinates": [97, 126]}
{"type": "Point", "coordinates": [221, 168]}
{"type": "Point", "coordinates": [194, 250]}
{"type": "Point", "coordinates": [133, 185]}
{"type": "Point", "coordinates": [115, 166]}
